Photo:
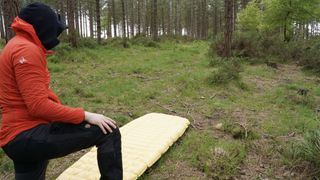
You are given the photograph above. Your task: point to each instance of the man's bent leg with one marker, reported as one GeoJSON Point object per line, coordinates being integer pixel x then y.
{"type": "Point", "coordinates": [59, 139]}
{"type": "Point", "coordinates": [110, 157]}
{"type": "Point", "coordinates": [30, 171]}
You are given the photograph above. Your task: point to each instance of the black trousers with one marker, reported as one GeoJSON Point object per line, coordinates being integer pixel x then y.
{"type": "Point", "coordinates": [31, 150]}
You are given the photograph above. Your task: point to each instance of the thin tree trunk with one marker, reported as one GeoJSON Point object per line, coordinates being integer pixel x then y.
{"type": "Point", "coordinates": [205, 20]}
{"type": "Point", "coordinates": [126, 10]}
{"type": "Point", "coordinates": [124, 24]}
{"type": "Point", "coordinates": [72, 31]}
{"type": "Point", "coordinates": [10, 9]}
{"type": "Point", "coordinates": [132, 18]}
{"type": "Point", "coordinates": [170, 18]}
{"type": "Point", "coordinates": [228, 30]}
{"type": "Point", "coordinates": [179, 25]}
{"type": "Point", "coordinates": [91, 14]}
{"type": "Point", "coordinates": [124, 32]}
{"type": "Point", "coordinates": [109, 33]}
{"type": "Point", "coordinates": [81, 23]}
{"type": "Point", "coordinates": [76, 13]}
{"type": "Point", "coordinates": [139, 17]}
{"type": "Point", "coordinates": [235, 11]}
{"type": "Point", "coordinates": [162, 21]}
{"type": "Point", "coordinates": [63, 15]}
{"type": "Point", "coordinates": [98, 21]}
{"type": "Point", "coordinates": [215, 16]}
{"type": "Point", "coordinates": [2, 33]}
{"type": "Point", "coordinates": [114, 18]}
{"type": "Point", "coordinates": [154, 23]}
{"type": "Point", "coordinates": [147, 19]}
{"type": "Point", "coordinates": [85, 24]}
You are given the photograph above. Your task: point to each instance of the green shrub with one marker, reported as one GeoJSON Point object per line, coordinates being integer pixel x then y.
{"type": "Point", "coordinates": [176, 38]}
{"type": "Point", "coordinates": [116, 42]}
{"type": "Point", "coordinates": [227, 71]}
{"type": "Point", "coordinates": [88, 42]}
{"type": "Point", "coordinates": [216, 47]}
{"type": "Point", "coordinates": [310, 57]}
{"type": "Point", "coordinates": [62, 49]}
{"type": "Point", "coordinates": [144, 41]}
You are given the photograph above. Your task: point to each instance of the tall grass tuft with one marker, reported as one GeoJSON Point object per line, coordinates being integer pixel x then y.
{"type": "Point", "coordinates": [226, 70]}
{"type": "Point", "coordinates": [310, 148]}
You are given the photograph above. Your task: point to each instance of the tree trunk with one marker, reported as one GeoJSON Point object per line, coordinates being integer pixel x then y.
{"type": "Point", "coordinates": [228, 29]}
{"type": "Point", "coordinates": [109, 33]}
{"type": "Point", "coordinates": [244, 3]}
{"type": "Point", "coordinates": [132, 22]}
{"type": "Point", "coordinates": [10, 9]}
{"type": "Point", "coordinates": [179, 13]}
{"type": "Point", "coordinates": [76, 14]}
{"type": "Point", "coordinates": [139, 17]}
{"type": "Point", "coordinates": [147, 18]}
{"type": "Point", "coordinates": [123, 19]}
{"type": "Point", "coordinates": [114, 18]}
{"type": "Point", "coordinates": [235, 11]}
{"type": "Point", "coordinates": [125, 44]}
{"type": "Point", "coordinates": [170, 18]}
{"type": "Point", "coordinates": [215, 17]}
{"type": "Point", "coordinates": [85, 24]}
{"type": "Point", "coordinates": [91, 14]}
{"type": "Point", "coordinates": [127, 18]}
{"type": "Point", "coordinates": [98, 21]}
{"type": "Point", "coordinates": [2, 33]}
{"type": "Point", "coordinates": [81, 23]}
{"type": "Point", "coordinates": [154, 22]}
{"type": "Point", "coordinates": [72, 31]}
{"type": "Point", "coordinates": [162, 21]}
{"type": "Point", "coordinates": [205, 20]}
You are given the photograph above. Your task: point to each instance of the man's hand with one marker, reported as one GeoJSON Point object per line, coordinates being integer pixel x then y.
{"type": "Point", "coordinates": [100, 120]}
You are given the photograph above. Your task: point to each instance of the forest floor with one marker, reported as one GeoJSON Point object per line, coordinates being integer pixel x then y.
{"type": "Point", "coordinates": [236, 132]}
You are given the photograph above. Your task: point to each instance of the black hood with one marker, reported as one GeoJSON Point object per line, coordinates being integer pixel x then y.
{"type": "Point", "coordinates": [45, 21]}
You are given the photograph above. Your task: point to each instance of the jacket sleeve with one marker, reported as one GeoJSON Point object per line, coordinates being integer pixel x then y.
{"type": "Point", "coordinates": [29, 67]}
{"type": "Point", "coordinates": [52, 96]}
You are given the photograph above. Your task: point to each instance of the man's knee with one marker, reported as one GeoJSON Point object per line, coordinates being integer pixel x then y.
{"type": "Point", "coordinates": [116, 132]}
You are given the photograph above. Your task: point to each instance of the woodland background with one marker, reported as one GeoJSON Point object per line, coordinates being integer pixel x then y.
{"type": "Point", "coordinates": [245, 73]}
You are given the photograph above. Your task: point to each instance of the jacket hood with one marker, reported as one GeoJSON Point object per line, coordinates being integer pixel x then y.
{"type": "Point", "coordinates": [45, 21]}
{"type": "Point", "coordinates": [22, 28]}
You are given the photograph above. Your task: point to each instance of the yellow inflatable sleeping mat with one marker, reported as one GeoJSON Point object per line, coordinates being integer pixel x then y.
{"type": "Point", "coordinates": [144, 140]}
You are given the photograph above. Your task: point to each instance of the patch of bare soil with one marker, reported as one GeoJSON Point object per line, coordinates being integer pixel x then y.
{"type": "Point", "coordinates": [263, 162]}
{"type": "Point", "coordinates": [202, 122]}
{"type": "Point", "coordinates": [179, 170]}
{"type": "Point", "coordinates": [263, 159]}
{"type": "Point", "coordinates": [285, 73]}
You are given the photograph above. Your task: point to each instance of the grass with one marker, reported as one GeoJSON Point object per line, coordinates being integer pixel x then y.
{"type": "Point", "coordinates": [173, 78]}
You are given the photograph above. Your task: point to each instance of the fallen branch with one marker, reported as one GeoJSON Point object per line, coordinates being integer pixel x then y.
{"type": "Point", "coordinates": [168, 109]}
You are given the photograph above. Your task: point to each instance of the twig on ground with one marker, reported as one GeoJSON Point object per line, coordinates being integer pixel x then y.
{"type": "Point", "coordinates": [292, 134]}
{"type": "Point", "coordinates": [168, 109]}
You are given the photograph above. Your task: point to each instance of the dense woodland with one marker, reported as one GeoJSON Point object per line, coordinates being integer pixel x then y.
{"type": "Point", "coordinates": [197, 19]}
{"type": "Point", "coordinates": [245, 72]}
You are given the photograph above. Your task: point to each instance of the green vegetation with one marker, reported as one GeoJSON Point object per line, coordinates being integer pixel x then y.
{"type": "Point", "coordinates": [277, 31]}
{"type": "Point", "coordinates": [2, 42]}
{"type": "Point", "coordinates": [263, 111]}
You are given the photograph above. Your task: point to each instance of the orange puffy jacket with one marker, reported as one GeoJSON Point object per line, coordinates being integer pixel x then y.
{"type": "Point", "coordinates": [25, 98]}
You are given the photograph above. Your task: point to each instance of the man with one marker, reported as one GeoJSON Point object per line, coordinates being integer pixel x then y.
{"type": "Point", "coordinates": [35, 126]}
